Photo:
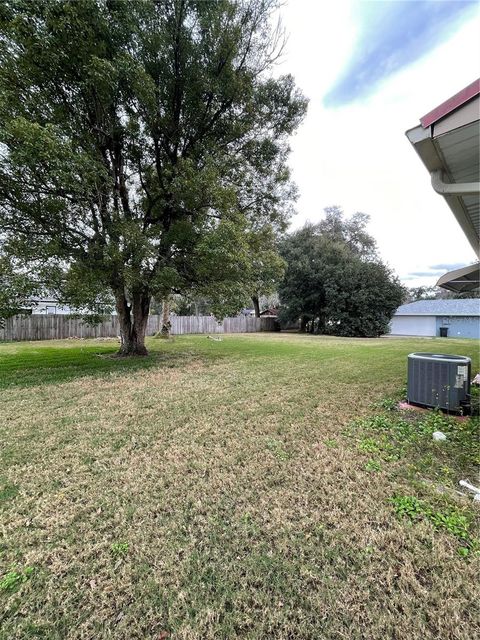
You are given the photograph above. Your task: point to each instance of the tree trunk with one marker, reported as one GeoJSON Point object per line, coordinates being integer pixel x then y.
{"type": "Point", "coordinates": [321, 324]}
{"type": "Point", "coordinates": [256, 306]}
{"type": "Point", "coordinates": [133, 323]}
{"type": "Point", "coordinates": [166, 324]}
{"type": "Point", "coordinates": [303, 324]}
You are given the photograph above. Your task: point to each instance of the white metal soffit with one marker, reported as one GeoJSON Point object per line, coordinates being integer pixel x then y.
{"type": "Point", "coordinates": [460, 150]}
{"type": "Point", "coordinates": [449, 147]}
{"type": "Point", "coordinates": [461, 280]}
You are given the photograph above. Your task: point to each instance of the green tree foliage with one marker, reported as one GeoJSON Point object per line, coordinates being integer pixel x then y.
{"type": "Point", "coordinates": [16, 288]}
{"type": "Point", "coordinates": [412, 294]}
{"type": "Point", "coordinates": [139, 143]}
{"type": "Point", "coordinates": [437, 293]}
{"type": "Point", "coordinates": [334, 282]}
{"type": "Point", "coordinates": [266, 264]}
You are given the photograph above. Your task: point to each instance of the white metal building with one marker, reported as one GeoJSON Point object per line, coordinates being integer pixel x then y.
{"type": "Point", "coordinates": [47, 305]}
{"type": "Point", "coordinates": [450, 318]}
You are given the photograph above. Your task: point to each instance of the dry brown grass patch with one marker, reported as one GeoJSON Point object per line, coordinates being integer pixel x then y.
{"type": "Point", "coordinates": [244, 510]}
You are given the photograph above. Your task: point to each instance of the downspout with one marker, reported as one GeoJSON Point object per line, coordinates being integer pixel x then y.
{"type": "Point", "coordinates": [453, 188]}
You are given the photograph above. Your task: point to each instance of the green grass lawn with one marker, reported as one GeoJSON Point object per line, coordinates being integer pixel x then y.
{"type": "Point", "coordinates": [246, 488]}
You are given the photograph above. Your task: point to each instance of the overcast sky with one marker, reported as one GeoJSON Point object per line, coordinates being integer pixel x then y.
{"type": "Point", "coordinates": [371, 70]}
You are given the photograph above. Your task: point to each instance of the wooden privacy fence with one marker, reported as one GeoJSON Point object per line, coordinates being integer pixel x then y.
{"type": "Point", "coordinates": [57, 327]}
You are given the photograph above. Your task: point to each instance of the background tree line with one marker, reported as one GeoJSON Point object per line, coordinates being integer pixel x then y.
{"type": "Point", "coordinates": [328, 278]}
{"type": "Point", "coordinates": [334, 282]}
{"type": "Point", "coordinates": [143, 155]}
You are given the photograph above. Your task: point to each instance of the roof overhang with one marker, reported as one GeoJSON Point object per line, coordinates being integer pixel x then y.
{"type": "Point", "coordinates": [448, 143]}
{"type": "Point", "coordinates": [452, 104]}
{"type": "Point", "coordinates": [461, 280]}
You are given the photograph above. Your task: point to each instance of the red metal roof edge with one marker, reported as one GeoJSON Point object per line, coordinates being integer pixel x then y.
{"type": "Point", "coordinates": [451, 104]}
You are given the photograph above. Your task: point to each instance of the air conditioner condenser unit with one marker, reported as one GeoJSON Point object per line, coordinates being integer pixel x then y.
{"type": "Point", "coordinates": [439, 380]}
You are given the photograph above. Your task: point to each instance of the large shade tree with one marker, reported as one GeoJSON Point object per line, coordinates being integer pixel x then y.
{"type": "Point", "coordinates": [140, 142]}
{"type": "Point", "coordinates": [335, 282]}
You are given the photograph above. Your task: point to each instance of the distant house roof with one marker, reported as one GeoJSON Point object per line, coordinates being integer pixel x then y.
{"type": "Point", "coordinates": [466, 307]}
{"type": "Point", "coordinates": [272, 311]}
{"type": "Point", "coordinates": [48, 297]}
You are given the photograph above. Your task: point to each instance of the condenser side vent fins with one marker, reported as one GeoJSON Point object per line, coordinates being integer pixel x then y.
{"type": "Point", "coordinates": [439, 381]}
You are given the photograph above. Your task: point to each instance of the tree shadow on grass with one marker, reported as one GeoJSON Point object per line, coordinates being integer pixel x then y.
{"type": "Point", "coordinates": [31, 367]}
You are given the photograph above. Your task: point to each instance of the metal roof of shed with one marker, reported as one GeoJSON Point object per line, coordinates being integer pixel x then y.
{"type": "Point", "coordinates": [464, 279]}
{"type": "Point", "coordinates": [465, 307]}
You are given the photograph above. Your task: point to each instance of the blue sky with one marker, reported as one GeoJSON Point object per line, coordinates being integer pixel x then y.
{"type": "Point", "coordinates": [393, 35]}
{"type": "Point", "coordinates": [371, 70]}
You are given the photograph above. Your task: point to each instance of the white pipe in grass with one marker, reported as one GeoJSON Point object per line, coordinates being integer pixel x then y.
{"type": "Point", "coordinates": [470, 487]}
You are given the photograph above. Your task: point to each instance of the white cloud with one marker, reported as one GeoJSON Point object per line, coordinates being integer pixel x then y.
{"type": "Point", "coordinates": [358, 156]}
